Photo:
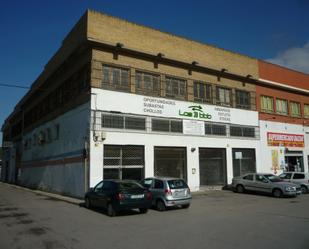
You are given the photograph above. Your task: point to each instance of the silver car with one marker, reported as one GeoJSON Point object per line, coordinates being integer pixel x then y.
{"type": "Point", "coordinates": [266, 183]}
{"type": "Point", "coordinates": [168, 192]}
{"type": "Point", "coordinates": [300, 178]}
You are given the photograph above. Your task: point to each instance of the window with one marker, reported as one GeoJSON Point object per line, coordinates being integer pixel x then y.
{"type": "Point", "coordinates": [167, 125]}
{"type": "Point", "coordinates": [223, 96]}
{"type": "Point", "coordinates": [295, 109]}
{"type": "Point", "coordinates": [261, 178]}
{"type": "Point", "coordinates": [115, 78]}
{"type": "Point", "coordinates": [123, 162]}
{"type": "Point", "coordinates": [298, 176]}
{"type": "Point", "coordinates": [175, 88]}
{"type": "Point", "coordinates": [202, 92]}
{"type": "Point", "coordinates": [158, 184]}
{"type": "Point", "coordinates": [112, 121]}
{"type": "Point", "coordinates": [244, 161]}
{"type": "Point", "coordinates": [248, 177]}
{"type": "Point", "coordinates": [147, 83]}
{"type": "Point", "coordinates": [215, 129]}
{"type": "Point", "coordinates": [306, 111]}
{"type": "Point", "coordinates": [160, 125]}
{"type": "Point", "coordinates": [282, 106]}
{"type": "Point", "coordinates": [285, 176]}
{"type": "Point", "coordinates": [108, 186]}
{"type": "Point", "coordinates": [135, 123]}
{"type": "Point", "coordinates": [240, 131]}
{"type": "Point", "coordinates": [177, 184]}
{"type": "Point", "coordinates": [176, 126]}
{"type": "Point", "coordinates": [98, 187]}
{"type": "Point", "coordinates": [267, 104]}
{"type": "Point", "coordinates": [242, 99]}
{"type": "Point", "coordinates": [147, 183]}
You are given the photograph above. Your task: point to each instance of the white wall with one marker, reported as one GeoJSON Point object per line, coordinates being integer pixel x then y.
{"type": "Point", "coordinates": [152, 140]}
{"type": "Point", "coordinates": [102, 100]}
{"type": "Point", "coordinates": [64, 178]}
{"type": "Point", "coordinates": [276, 127]}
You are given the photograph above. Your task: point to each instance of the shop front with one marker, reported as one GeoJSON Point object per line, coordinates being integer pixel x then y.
{"type": "Point", "coordinates": [283, 147]}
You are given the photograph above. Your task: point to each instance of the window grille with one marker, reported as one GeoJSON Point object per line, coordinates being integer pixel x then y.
{"type": "Point", "coordinates": [175, 88]}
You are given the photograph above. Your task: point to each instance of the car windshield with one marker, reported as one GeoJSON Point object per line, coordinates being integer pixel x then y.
{"type": "Point", "coordinates": [273, 178]}
{"type": "Point", "coordinates": [129, 185]}
{"type": "Point", "coordinates": [175, 184]}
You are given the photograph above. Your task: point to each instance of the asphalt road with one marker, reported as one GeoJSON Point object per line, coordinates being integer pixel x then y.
{"type": "Point", "coordinates": [220, 219]}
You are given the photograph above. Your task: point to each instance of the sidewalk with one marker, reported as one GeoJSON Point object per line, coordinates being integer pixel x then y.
{"type": "Point", "coordinates": [206, 191]}
{"type": "Point", "coordinates": [48, 194]}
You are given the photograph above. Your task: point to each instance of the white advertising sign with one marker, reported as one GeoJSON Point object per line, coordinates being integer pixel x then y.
{"type": "Point", "coordinates": [193, 127]}
{"type": "Point", "coordinates": [105, 100]}
{"type": "Point", "coordinates": [238, 155]}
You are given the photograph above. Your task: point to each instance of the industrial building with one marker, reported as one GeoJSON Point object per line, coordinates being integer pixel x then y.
{"type": "Point", "coordinates": [120, 100]}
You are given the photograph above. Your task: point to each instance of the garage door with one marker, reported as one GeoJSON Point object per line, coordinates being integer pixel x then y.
{"type": "Point", "coordinates": [123, 162]}
{"type": "Point", "coordinates": [170, 161]}
{"type": "Point", "coordinates": [243, 161]}
{"type": "Point", "coordinates": [212, 166]}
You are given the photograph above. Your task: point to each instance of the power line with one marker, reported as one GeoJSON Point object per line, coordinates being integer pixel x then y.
{"type": "Point", "coordinates": [14, 86]}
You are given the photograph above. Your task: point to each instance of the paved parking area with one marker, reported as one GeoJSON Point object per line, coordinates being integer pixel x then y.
{"type": "Point", "coordinates": [217, 219]}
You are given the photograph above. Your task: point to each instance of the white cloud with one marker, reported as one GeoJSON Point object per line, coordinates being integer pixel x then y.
{"type": "Point", "coordinates": [296, 58]}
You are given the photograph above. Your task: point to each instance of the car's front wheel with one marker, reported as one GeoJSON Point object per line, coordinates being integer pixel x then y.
{"type": "Point", "coordinates": [186, 206]}
{"type": "Point", "coordinates": [110, 210]}
{"type": "Point", "coordinates": [277, 193]}
{"type": "Point", "coordinates": [160, 205]}
{"type": "Point", "coordinates": [88, 203]}
{"type": "Point", "coordinates": [303, 189]}
{"type": "Point", "coordinates": [240, 188]}
{"type": "Point", "coordinates": [143, 210]}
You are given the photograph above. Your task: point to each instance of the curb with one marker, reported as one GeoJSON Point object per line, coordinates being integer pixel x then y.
{"type": "Point", "coordinates": [67, 199]}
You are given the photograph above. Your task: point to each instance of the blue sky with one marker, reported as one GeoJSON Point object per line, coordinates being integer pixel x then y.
{"type": "Point", "coordinates": [32, 31]}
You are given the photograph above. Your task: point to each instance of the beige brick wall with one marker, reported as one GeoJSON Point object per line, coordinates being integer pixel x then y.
{"type": "Point", "coordinates": [100, 57]}
{"type": "Point", "coordinates": [112, 30]}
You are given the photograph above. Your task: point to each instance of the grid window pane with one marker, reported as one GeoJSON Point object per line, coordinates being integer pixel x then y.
{"type": "Point", "coordinates": [240, 131]}
{"type": "Point", "coordinates": [267, 104]}
{"type": "Point", "coordinates": [242, 99]}
{"type": "Point", "coordinates": [175, 88]}
{"type": "Point", "coordinates": [295, 109]}
{"type": "Point", "coordinates": [176, 126]}
{"type": "Point", "coordinates": [202, 92]}
{"type": "Point", "coordinates": [219, 130]}
{"type": "Point", "coordinates": [160, 125]}
{"type": "Point", "coordinates": [223, 96]}
{"type": "Point", "coordinates": [236, 131]}
{"type": "Point", "coordinates": [112, 121]}
{"type": "Point", "coordinates": [135, 123]}
{"type": "Point", "coordinates": [306, 111]}
{"type": "Point", "coordinates": [147, 83]}
{"type": "Point", "coordinates": [115, 77]}
{"type": "Point", "coordinates": [248, 132]}
{"type": "Point", "coordinates": [282, 106]}
{"type": "Point", "coordinates": [215, 129]}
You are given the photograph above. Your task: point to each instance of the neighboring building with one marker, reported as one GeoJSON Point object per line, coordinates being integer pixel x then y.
{"type": "Point", "coordinates": [283, 103]}
{"type": "Point", "coordinates": [119, 100]}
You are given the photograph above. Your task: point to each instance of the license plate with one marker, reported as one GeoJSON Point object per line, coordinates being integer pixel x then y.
{"type": "Point", "coordinates": [179, 193]}
{"type": "Point", "coordinates": [137, 196]}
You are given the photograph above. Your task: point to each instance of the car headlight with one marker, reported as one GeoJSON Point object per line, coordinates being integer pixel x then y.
{"type": "Point", "coordinates": [288, 188]}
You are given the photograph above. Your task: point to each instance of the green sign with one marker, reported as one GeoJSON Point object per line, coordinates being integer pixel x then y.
{"type": "Point", "coordinates": [195, 112]}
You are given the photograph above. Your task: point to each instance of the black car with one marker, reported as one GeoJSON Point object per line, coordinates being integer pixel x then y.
{"type": "Point", "coordinates": [117, 195]}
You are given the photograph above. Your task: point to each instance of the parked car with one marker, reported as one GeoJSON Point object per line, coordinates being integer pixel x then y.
{"type": "Point", "coordinates": [297, 177]}
{"type": "Point", "coordinates": [168, 192]}
{"type": "Point", "coordinates": [117, 195]}
{"type": "Point", "coordinates": [266, 183]}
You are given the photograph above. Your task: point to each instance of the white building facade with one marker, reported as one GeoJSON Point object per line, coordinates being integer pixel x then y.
{"type": "Point", "coordinates": [204, 144]}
